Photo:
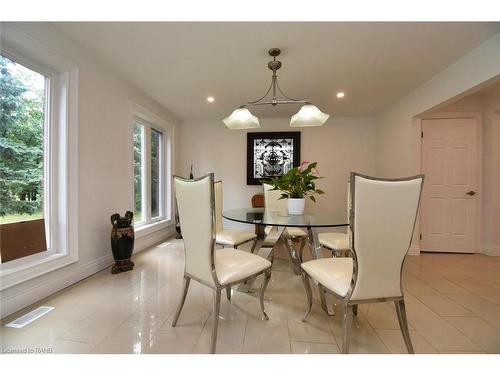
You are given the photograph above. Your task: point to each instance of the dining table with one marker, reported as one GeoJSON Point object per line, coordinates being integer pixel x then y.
{"type": "Point", "coordinates": [277, 222]}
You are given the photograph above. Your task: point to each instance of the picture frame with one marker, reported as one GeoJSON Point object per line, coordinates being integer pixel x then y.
{"type": "Point", "coordinates": [271, 154]}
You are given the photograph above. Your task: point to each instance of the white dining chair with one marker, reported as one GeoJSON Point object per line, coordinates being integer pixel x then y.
{"type": "Point", "coordinates": [217, 269]}
{"type": "Point", "coordinates": [229, 237]}
{"type": "Point", "coordinates": [338, 242]}
{"type": "Point", "coordinates": [382, 219]}
{"type": "Point", "coordinates": [273, 203]}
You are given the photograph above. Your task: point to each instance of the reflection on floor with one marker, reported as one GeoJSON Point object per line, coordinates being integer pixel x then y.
{"type": "Point", "coordinates": [453, 304]}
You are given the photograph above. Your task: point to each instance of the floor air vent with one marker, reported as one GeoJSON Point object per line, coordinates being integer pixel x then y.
{"type": "Point", "coordinates": [30, 317]}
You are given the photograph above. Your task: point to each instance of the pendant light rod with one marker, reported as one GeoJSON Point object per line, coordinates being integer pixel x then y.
{"type": "Point", "coordinates": [274, 65]}
{"type": "Point", "coordinates": [308, 115]}
{"type": "Point", "coordinates": [250, 104]}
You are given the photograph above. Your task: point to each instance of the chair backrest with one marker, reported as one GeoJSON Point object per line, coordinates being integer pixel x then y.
{"type": "Point", "coordinates": [195, 202]}
{"type": "Point", "coordinates": [349, 201]}
{"type": "Point", "coordinates": [271, 199]}
{"type": "Point", "coordinates": [218, 206]}
{"type": "Point", "coordinates": [382, 221]}
{"type": "Point", "coordinates": [257, 200]}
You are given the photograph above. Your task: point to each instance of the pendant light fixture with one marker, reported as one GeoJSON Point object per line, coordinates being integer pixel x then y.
{"type": "Point", "coordinates": [308, 115]}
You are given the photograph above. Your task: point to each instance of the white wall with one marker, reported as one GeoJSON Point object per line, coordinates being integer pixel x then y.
{"type": "Point", "coordinates": [104, 170]}
{"type": "Point", "coordinates": [342, 145]}
{"type": "Point", "coordinates": [492, 126]}
{"type": "Point", "coordinates": [398, 134]}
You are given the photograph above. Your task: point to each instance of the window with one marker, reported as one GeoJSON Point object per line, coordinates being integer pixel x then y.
{"type": "Point", "coordinates": [156, 151]}
{"type": "Point", "coordinates": [149, 173]}
{"type": "Point", "coordinates": [138, 170]}
{"type": "Point", "coordinates": [23, 104]}
{"type": "Point", "coordinates": [38, 164]}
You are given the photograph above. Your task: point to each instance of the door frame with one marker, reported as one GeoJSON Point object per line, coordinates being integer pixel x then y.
{"type": "Point", "coordinates": [479, 176]}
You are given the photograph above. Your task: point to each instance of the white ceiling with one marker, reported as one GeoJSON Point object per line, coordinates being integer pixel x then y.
{"type": "Point", "coordinates": [180, 64]}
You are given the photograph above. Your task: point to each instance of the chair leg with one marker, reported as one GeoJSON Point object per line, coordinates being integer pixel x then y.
{"type": "Point", "coordinates": [187, 280]}
{"type": "Point", "coordinates": [235, 246]}
{"type": "Point", "coordinates": [216, 311]}
{"type": "Point", "coordinates": [403, 324]}
{"type": "Point", "coordinates": [322, 298]}
{"type": "Point", "coordinates": [267, 277]}
{"type": "Point", "coordinates": [347, 323]}
{"type": "Point", "coordinates": [254, 245]}
{"type": "Point", "coordinates": [307, 287]}
{"type": "Point", "coordinates": [228, 293]}
{"type": "Point", "coordinates": [355, 310]}
{"type": "Point", "coordinates": [301, 250]}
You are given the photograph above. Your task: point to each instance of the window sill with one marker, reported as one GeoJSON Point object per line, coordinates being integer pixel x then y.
{"type": "Point", "coordinates": [32, 269]}
{"type": "Point", "coordinates": [146, 229]}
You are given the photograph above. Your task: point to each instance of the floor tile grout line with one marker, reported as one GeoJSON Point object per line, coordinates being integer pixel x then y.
{"type": "Point", "coordinates": [77, 341]}
{"type": "Point", "coordinates": [466, 335]}
{"type": "Point", "coordinates": [444, 317]}
{"type": "Point", "coordinates": [446, 296]}
{"type": "Point", "coordinates": [373, 328]}
{"type": "Point", "coordinates": [244, 336]}
{"type": "Point", "coordinates": [155, 332]}
{"type": "Point", "coordinates": [289, 335]}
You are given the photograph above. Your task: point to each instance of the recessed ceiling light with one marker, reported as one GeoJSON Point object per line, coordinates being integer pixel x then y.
{"type": "Point", "coordinates": [210, 99]}
{"type": "Point", "coordinates": [340, 94]}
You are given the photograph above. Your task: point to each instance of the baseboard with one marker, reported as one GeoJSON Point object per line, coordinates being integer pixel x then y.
{"type": "Point", "coordinates": [154, 238]}
{"type": "Point", "coordinates": [62, 278]}
{"type": "Point", "coordinates": [491, 250]}
{"type": "Point", "coordinates": [414, 250]}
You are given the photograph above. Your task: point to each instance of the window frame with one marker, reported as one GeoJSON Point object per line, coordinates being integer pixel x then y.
{"type": "Point", "coordinates": [60, 158]}
{"type": "Point", "coordinates": [150, 120]}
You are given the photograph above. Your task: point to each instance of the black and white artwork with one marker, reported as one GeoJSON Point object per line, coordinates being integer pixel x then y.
{"type": "Point", "coordinates": [271, 154]}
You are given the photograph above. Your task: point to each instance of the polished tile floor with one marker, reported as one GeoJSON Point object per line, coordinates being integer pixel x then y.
{"type": "Point", "coordinates": [453, 304]}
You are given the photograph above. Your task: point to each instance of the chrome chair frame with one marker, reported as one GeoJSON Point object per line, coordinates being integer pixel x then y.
{"type": "Point", "coordinates": [342, 252]}
{"type": "Point", "coordinates": [252, 250]}
{"type": "Point", "coordinates": [217, 287]}
{"type": "Point", "coordinates": [347, 303]}
{"type": "Point", "coordinates": [335, 254]}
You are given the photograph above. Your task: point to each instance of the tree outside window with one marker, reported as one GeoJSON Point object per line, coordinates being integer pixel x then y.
{"type": "Point", "coordinates": [149, 184]}
{"type": "Point", "coordinates": [22, 117]}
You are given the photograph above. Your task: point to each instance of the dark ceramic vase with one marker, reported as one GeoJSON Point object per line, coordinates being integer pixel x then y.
{"type": "Point", "coordinates": [122, 242]}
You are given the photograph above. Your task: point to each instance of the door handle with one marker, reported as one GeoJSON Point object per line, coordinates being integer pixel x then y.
{"type": "Point", "coordinates": [471, 193]}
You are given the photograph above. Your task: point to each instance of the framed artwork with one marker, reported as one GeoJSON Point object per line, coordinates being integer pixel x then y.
{"type": "Point", "coordinates": [271, 154]}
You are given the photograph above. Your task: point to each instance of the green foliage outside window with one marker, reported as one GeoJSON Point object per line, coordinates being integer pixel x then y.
{"type": "Point", "coordinates": [138, 142]}
{"type": "Point", "coordinates": [21, 141]}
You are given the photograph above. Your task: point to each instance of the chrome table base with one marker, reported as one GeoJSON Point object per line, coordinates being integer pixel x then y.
{"type": "Point", "coordinates": [266, 250]}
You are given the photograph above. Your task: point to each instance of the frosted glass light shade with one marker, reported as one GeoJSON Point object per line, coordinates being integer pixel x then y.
{"type": "Point", "coordinates": [241, 118]}
{"type": "Point", "coordinates": [308, 115]}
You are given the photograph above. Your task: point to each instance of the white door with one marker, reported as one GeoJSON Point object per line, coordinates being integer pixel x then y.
{"type": "Point", "coordinates": [449, 198]}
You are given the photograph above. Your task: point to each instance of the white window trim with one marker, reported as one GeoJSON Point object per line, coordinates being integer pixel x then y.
{"type": "Point", "coordinates": [63, 165]}
{"type": "Point", "coordinates": [166, 207]}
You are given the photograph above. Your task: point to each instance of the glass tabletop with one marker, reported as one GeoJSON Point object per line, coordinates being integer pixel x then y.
{"type": "Point", "coordinates": [313, 218]}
